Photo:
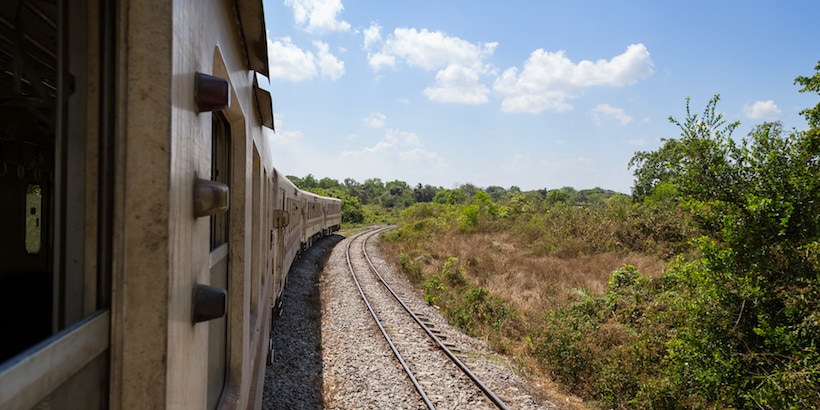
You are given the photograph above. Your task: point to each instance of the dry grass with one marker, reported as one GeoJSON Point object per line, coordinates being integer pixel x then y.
{"type": "Point", "coordinates": [533, 284]}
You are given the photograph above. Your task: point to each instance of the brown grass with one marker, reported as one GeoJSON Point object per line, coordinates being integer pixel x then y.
{"type": "Point", "coordinates": [532, 283]}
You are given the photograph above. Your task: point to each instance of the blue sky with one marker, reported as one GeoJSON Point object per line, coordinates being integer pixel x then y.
{"type": "Point", "coordinates": [534, 94]}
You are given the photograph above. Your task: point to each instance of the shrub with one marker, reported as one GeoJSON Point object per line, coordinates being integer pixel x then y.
{"type": "Point", "coordinates": [433, 288]}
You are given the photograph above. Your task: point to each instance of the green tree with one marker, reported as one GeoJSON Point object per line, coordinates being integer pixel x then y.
{"type": "Point", "coordinates": [373, 189]}
{"type": "Point", "coordinates": [811, 84]}
{"type": "Point", "coordinates": [352, 212]}
{"type": "Point", "coordinates": [329, 183]}
{"type": "Point", "coordinates": [666, 164]}
{"type": "Point", "coordinates": [497, 193]}
{"type": "Point", "coordinates": [424, 193]}
{"type": "Point", "coordinates": [752, 332]}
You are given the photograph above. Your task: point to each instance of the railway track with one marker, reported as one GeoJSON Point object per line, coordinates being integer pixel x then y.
{"type": "Point", "coordinates": [435, 371]}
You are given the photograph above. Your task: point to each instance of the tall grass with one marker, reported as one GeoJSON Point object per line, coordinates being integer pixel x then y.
{"type": "Point", "coordinates": [535, 280]}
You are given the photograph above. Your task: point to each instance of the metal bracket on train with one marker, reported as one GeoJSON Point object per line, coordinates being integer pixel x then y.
{"type": "Point", "coordinates": [209, 303]}
{"type": "Point", "coordinates": [210, 197]}
{"type": "Point", "coordinates": [281, 218]}
{"type": "Point", "coordinates": [211, 93]}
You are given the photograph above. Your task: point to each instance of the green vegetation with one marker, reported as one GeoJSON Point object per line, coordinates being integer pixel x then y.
{"type": "Point", "coordinates": [714, 303]}
{"type": "Point", "coordinates": [370, 202]}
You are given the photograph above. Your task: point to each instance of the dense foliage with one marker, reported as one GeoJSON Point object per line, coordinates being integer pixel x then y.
{"type": "Point", "coordinates": [370, 202]}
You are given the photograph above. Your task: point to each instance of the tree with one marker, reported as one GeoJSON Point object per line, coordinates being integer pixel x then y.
{"type": "Point", "coordinates": [328, 183]}
{"type": "Point", "coordinates": [352, 210]}
{"type": "Point", "coordinates": [497, 193]}
{"type": "Point", "coordinates": [373, 189]}
{"type": "Point", "coordinates": [666, 164]}
{"type": "Point", "coordinates": [752, 332]}
{"type": "Point", "coordinates": [811, 84]}
{"type": "Point", "coordinates": [425, 193]}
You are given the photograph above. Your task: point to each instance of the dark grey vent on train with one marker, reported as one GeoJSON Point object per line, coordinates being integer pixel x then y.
{"type": "Point", "coordinates": [211, 93]}
{"type": "Point", "coordinates": [209, 303]}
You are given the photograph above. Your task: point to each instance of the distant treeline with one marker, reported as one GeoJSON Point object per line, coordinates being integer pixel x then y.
{"type": "Point", "coordinates": [398, 195]}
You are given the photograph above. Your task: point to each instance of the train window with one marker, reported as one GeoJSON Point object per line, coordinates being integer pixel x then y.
{"type": "Point", "coordinates": [220, 172]}
{"type": "Point", "coordinates": [55, 263]}
{"type": "Point", "coordinates": [219, 270]}
{"type": "Point", "coordinates": [34, 203]}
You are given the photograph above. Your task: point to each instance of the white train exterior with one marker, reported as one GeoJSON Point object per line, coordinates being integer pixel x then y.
{"type": "Point", "coordinates": [145, 231]}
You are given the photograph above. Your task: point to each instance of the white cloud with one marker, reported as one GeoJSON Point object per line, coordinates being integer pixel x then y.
{"type": "Point", "coordinates": [375, 120]}
{"type": "Point", "coordinates": [290, 62]}
{"type": "Point", "coordinates": [459, 63]}
{"type": "Point", "coordinates": [320, 15]}
{"type": "Point", "coordinates": [331, 66]}
{"type": "Point", "coordinates": [637, 142]}
{"type": "Point", "coordinates": [380, 60]}
{"type": "Point", "coordinates": [607, 111]}
{"type": "Point", "coordinates": [434, 50]}
{"type": "Point", "coordinates": [397, 155]}
{"type": "Point", "coordinates": [762, 110]}
{"type": "Point", "coordinates": [395, 142]}
{"type": "Point", "coordinates": [372, 36]}
{"type": "Point", "coordinates": [549, 79]}
{"type": "Point", "coordinates": [458, 84]}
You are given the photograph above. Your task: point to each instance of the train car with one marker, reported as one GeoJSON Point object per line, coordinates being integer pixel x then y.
{"type": "Point", "coordinates": [332, 216]}
{"type": "Point", "coordinates": [316, 210]}
{"type": "Point", "coordinates": [145, 228]}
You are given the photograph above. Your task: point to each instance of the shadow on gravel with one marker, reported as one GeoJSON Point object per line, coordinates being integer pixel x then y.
{"type": "Point", "coordinates": [294, 380]}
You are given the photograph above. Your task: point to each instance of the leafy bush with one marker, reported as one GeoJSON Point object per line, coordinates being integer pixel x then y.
{"type": "Point", "coordinates": [433, 288]}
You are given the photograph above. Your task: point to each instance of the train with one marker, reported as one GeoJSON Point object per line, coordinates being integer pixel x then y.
{"type": "Point", "coordinates": [145, 233]}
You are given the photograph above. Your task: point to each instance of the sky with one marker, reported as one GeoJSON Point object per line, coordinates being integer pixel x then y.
{"type": "Point", "coordinates": [533, 94]}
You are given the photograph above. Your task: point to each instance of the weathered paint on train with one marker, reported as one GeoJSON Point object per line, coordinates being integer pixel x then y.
{"type": "Point", "coordinates": [126, 237]}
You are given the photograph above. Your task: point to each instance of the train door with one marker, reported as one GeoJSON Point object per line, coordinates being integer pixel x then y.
{"type": "Point", "coordinates": [219, 266]}
{"type": "Point", "coordinates": [56, 168]}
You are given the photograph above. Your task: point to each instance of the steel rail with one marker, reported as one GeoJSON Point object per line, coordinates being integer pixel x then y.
{"type": "Point", "coordinates": [486, 390]}
{"type": "Point", "coordinates": [379, 324]}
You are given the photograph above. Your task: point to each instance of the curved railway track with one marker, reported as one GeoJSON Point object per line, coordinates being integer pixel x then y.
{"type": "Point", "coordinates": [413, 342]}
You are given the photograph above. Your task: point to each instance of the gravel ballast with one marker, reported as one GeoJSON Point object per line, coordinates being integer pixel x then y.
{"type": "Point", "coordinates": [329, 354]}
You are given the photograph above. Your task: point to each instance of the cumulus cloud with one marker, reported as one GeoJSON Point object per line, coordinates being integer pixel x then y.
{"type": "Point", "coordinates": [602, 111]}
{"type": "Point", "coordinates": [372, 36]}
{"type": "Point", "coordinates": [372, 39]}
{"type": "Point", "coordinates": [395, 142]}
{"type": "Point", "coordinates": [318, 15]}
{"type": "Point", "coordinates": [458, 84]}
{"type": "Point", "coordinates": [762, 110]}
{"type": "Point", "coordinates": [548, 80]}
{"type": "Point", "coordinates": [292, 63]}
{"type": "Point", "coordinates": [331, 66]}
{"type": "Point", "coordinates": [459, 64]}
{"type": "Point", "coordinates": [376, 120]}
{"type": "Point", "coordinates": [433, 50]}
